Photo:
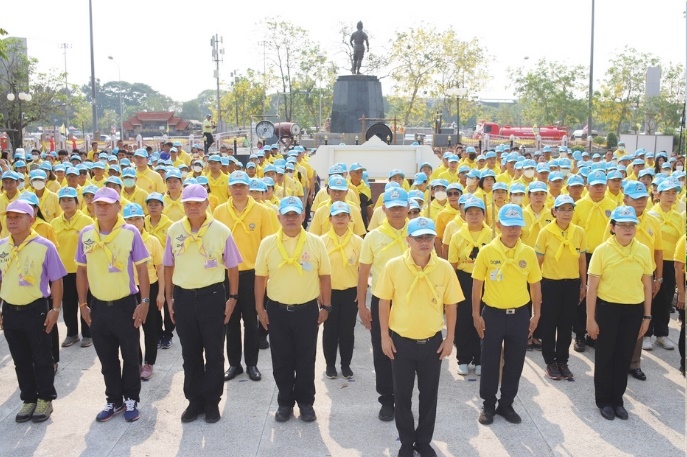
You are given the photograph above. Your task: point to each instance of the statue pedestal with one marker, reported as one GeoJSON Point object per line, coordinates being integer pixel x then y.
{"type": "Point", "coordinates": [356, 96]}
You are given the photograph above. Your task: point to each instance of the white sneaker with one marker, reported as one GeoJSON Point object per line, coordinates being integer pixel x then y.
{"type": "Point", "coordinates": [647, 345]}
{"type": "Point", "coordinates": [478, 370]}
{"type": "Point", "coordinates": [665, 343]}
{"type": "Point", "coordinates": [463, 369]}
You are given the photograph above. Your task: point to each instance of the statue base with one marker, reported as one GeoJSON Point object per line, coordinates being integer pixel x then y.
{"type": "Point", "coordinates": [356, 96]}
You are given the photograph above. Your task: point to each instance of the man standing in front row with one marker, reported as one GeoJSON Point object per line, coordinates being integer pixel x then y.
{"type": "Point", "coordinates": [422, 286]}
{"type": "Point", "coordinates": [297, 265]}
{"type": "Point", "coordinates": [28, 262]}
{"type": "Point", "coordinates": [198, 251]}
{"type": "Point", "coordinates": [106, 255]}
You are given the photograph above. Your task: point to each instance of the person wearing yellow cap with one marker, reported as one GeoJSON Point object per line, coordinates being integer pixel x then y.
{"type": "Point", "coordinates": [343, 247]}
{"type": "Point", "coordinates": [379, 246]}
{"type": "Point", "coordinates": [32, 272]}
{"type": "Point", "coordinates": [297, 265]}
{"type": "Point", "coordinates": [422, 287]}
{"type": "Point", "coordinates": [618, 308]}
{"type": "Point", "coordinates": [199, 253]}
{"type": "Point", "coordinates": [503, 270]}
{"type": "Point", "coordinates": [561, 247]}
{"type": "Point", "coordinates": [106, 255]}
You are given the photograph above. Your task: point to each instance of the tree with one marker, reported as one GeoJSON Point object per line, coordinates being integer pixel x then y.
{"type": "Point", "coordinates": [245, 99]}
{"type": "Point", "coordinates": [3, 45]}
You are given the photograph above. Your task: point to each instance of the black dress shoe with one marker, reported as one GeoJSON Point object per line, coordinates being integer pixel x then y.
{"type": "Point", "coordinates": [253, 373]}
{"type": "Point", "coordinates": [211, 413]}
{"type": "Point", "coordinates": [191, 412]}
{"type": "Point", "coordinates": [232, 372]}
{"type": "Point", "coordinates": [425, 450]}
{"type": "Point", "coordinates": [263, 343]}
{"type": "Point", "coordinates": [621, 413]}
{"type": "Point", "coordinates": [607, 412]}
{"type": "Point", "coordinates": [580, 345]}
{"type": "Point", "coordinates": [486, 417]}
{"type": "Point", "coordinates": [637, 373]}
{"type": "Point", "coordinates": [283, 413]}
{"type": "Point", "coordinates": [406, 451]}
{"type": "Point", "coordinates": [386, 412]}
{"type": "Point", "coordinates": [508, 413]}
{"type": "Point", "coordinates": [307, 414]}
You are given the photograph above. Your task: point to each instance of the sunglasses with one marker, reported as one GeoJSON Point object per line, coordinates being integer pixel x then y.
{"type": "Point", "coordinates": [453, 194]}
{"type": "Point", "coordinates": [423, 238]}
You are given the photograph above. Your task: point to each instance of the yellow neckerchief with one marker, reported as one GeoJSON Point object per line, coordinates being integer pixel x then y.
{"type": "Point", "coordinates": [596, 206]}
{"type": "Point", "coordinates": [291, 260]}
{"type": "Point", "coordinates": [127, 194]}
{"type": "Point", "coordinates": [238, 220]}
{"type": "Point", "coordinates": [565, 241]}
{"type": "Point", "coordinates": [145, 235]}
{"type": "Point", "coordinates": [108, 239]}
{"type": "Point", "coordinates": [665, 217]}
{"type": "Point", "coordinates": [71, 223]}
{"type": "Point", "coordinates": [196, 237]}
{"type": "Point", "coordinates": [389, 231]}
{"type": "Point", "coordinates": [466, 234]}
{"type": "Point", "coordinates": [340, 247]}
{"type": "Point", "coordinates": [164, 220]}
{"type": "Point", "coordinates": [420, 274]}
{"type": "Point", "coordinates": [363, 189]}
{"type": "Point", "coordinates": [174, 203]}
{"type": "Point", "coordinates": [215, 181]}
{"type": "Point", "coordinates": [631, 256]}
{"type": "Point", "coordinates": [14, 253]}
{"type": "Point", "coordinates": [537, 219]}
{"type": "Point", "coordinates": [508, 262]}
{"type": "Point", "coordinates": [450, 210]}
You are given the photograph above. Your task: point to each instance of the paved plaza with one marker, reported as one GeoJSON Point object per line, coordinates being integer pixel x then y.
{"type": "Point", "coordinates": [559, 417]}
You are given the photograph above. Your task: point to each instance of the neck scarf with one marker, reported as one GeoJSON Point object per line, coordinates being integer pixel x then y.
{"type": "Point", "coordinates": [471, 243]}
{"type": "Point", "coordinates": [421, 274]}
{"type": "Point", "coordinates": [196, 237]}
{"type": "Point", "coordinates": [389, 231]}
{"type": "Point", "coordinates": [565, 241]}
{"type": "Point", "coordinates": [291, 260]}
{"type": "Point", "coordinates": [627, 253]}
{"type": "Point", "coordinates": [596, 208]}
{"type": "Point", "coordinates": [238, 220]}
{"type": "Point", "coordinates": [14, 254]}
{"type": "Point", "coordinates": [340, 247]}
{"type": "Point", "coordinates": [70, 224]}
{"type": "Point", "coordinates": [665, 218]}
{"type": "Point", "coordinates": [508, 262]}
{"type": "Point", "coordinates": [102, 244]}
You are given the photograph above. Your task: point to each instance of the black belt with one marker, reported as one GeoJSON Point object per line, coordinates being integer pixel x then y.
{"type": "Point", "coordinates": [245, 272]}
{"type": "Point", "coordinates": [40, 301]}
{"type": "Point", "coordinates": [508, 310]}
{"type": "Point", "coordinates": [422, 341]}
{"type": "Point", "coordinates": [201, 290]}
{"type": "Point", "coordinates": [122, 301]}
{"type": "Point", "coordinates": [293, 308]}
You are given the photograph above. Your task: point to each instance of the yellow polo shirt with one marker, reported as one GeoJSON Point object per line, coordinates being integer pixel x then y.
{"type": "Point", "coordinates": [679, 255]}
{"type": "Point", "coordinates": [67, 233]}
{"type": "Point", "coordinates": [506, 273]}
{"type": "Point", "coordinates": [378, 248]}
{"type": "Point", "coordinates": [219, 187]}
{"type": "Point", "coordinates": [449, 176]}
{"type": "Point", "coordinates": [49, 204]}
{"type": "Point", "coordinates": [344, 261]}
{"type": "Point", "coordinates": [378, 216]}
{"type": "Point", "coordinates": [159, 231]}
{"type": "Point", "coordinates": [4, 201]}
{"type": "Point", "coordinates": [534, 224]}
{"type": "Point", "coordinates": [418, 310]}
{"type": "Point", "coordinates": [648, 233]}
{"type": "Point", "coordinates": [446, 215]}
{"type": "Point", "coordinates": [451, 228]}
{"type": "Point", "coordinates": [548, 244]}
{"type": "Point", "coordinates": [155, 250]}
{"type": "Point", "coordinates": [289, 284]}
{"type": "Point", "coordinates": [137, 196]}
{"type": "Point", "coordinates": [432, 210]}
{"type": "Point", "coordinates": [173, 209]}
{"type": "Point", "coordinates": [462, 243]}
{"type": "Point", "coordinates": [620, 270]}
{"type": "Point", "coordinates": [320, 223]}
{"type": "Point", "coordinates": [150, 181]}
{"type": "Point", "coordinates": [100, 183]}
{"type": "Point", "coordinates": [672, 229]}
{"type": "Point", "coordinates": [593, 218]}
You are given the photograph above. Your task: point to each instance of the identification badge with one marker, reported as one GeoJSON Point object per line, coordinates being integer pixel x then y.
{"type": "Point", "coordinates": [211, 263]}
{"type": "Point", "coordinates": [113, 269]}
{"type": "Point", "coordinates": [307, 266]}
{"type": "Point", "coordinates": [496, 275]}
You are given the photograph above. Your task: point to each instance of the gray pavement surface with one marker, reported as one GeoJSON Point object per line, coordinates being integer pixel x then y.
{"type": "Point", "coordinates": [559, 417]}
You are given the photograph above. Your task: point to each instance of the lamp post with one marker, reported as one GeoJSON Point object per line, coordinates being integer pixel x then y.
{"type": "Point", "coordinates": [458, 92]}
{"type": "Point", "coordinates": [20, 97]}
{"type": "Point", "coordinates": [121, 111]}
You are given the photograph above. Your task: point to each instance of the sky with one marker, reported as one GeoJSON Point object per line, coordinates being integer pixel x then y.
{"type": "Point", "coordinates": [166, 44]}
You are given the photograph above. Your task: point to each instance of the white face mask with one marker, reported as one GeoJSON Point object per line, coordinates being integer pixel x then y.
{"type": "Point", "coordinates": [38, 184]}
{"type": "Point", "coordinates": [184, 174]}
{"type": "Point", "coordinates": [679, 167]}
{"type": "Point", "coordinates": [440, 195]}
{"type": "Point", "coordinates": [529, 173]}
{"type": "Point", "coordinates": [471, 181]}
{"type": "Point", "coordinates": [197, 168]}
{"type": "Point", "coordinates": [517, 199]}
{"type": "Point", "coordinates": [129, 182]}
{"type": "Point", "coordinates": [20, 186]}
{"type": "Point", "coordinates": [565, 172]}
{"type": "Point", "coordinates": [35, 158]}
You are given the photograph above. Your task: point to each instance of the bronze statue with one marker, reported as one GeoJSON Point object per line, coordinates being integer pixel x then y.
{"type": "Point", "coordinates": [358, 40]}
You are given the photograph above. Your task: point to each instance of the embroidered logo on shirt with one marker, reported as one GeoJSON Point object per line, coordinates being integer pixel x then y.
{"type": "Point", "coordinates": [522, 264]}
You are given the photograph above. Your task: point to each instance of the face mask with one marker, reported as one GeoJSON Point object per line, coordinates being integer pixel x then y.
{"type": "Point", "coordinates": [529, 173]}
{"type": "Point", "coordinates": [103, 161]}
{"type": "Point", "coordinates": [565, 172]}
{"type": "Point", "coordinates": [621, 148]}
{"type": "Point", "coordinates": [679, 167]}
{"type": "Point", "coordinates": [440, 195]}
{"type": "Point", "coordinates": [184, 174]}
{"type": "Point", "coordinates": [517, 199]}
{"type": "Point", "coordinates": [197, 168]}
{"type": "Point", "coordinates": [20, 186]}
{"type": "Point", "coordinates": [472, 156]}
{"type": "Point", "coordinates": [35, 158]}
{"type": "Point", "coordinates": [195, 155]}
{"type": "Point", "coordinates": [471, 181]}
{"type": "Point", "coordinates": [129, 182]}
{"type": "Point", "coordinates": [38, 185]}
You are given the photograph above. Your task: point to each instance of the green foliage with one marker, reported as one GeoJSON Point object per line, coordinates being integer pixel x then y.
{"type": "Point", "coordinates": [611, 140]}
{"type": "Point", "coordinates": [599, 140]}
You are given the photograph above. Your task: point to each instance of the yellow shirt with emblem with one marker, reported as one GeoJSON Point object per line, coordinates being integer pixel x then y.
{"type": "Point", "coordinates": [159, 230]}
{"type": "Point", "coordinates": [593, 217]}
{"type": "Point", "coordinates": [567, 265]}
{"type": "Point", "coordinates": [137, 195]}
{"type": "Point", "coordinates": [67, 233]}
{"type": "Point", "coordinates": [463, 242]}
{"type": "Point", "coordinates": [648, 233]}
{"type": "Point", "coordinates": [49, 203]}
{"type": "Point", "coordinates": [173, 209]}
{"type": "Point", "coordinates": [344, 264]}
{"type": "Point", "coordinates": [150, 181]}
{"type": "Point", "coordinates": [378, 248]}
{"type": "Point", "coordinates": [320, 223]}
{"type": "Point", "coordinates": [534, 223]}
{"type": "Point", "coordinates": [219, 187]}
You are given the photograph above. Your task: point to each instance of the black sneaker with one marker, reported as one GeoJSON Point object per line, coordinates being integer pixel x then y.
{"type": "Point", "coordinates": [346, 372]}
{"type": "Point", "coordinates": [486, 417]}
{"type": "Point", "coordinates": [263, 343]}
{"type": "Point", "coordinates": [166, 343]}
{"type": "Point", "coordinates": [191, 412]}
{"type": "Point", "coordinates": [553, 372]}
{"type": "Point", "coordinates": [565, 371]}
{"type": "Point", "coordinates": [425, 450]}
{"type": "Point", "coordinates": [283, 413]}
{"type": "Point", "coordinates": [580, 345]}
{"type": "Point", "coordinates": [508, 413]}
{"type": "Point", "coordinates": [307, 413]}
{"type": "Point", "coordinates": [590, 342]}
{"type": "Point", "coordinates": [406, 451]}
{"type": "Point", "coordinates": [331, 373]}
{"type": "Point", "coordinates": [212, 413]}
{"type": "Point", "coordinates": [386, 412]}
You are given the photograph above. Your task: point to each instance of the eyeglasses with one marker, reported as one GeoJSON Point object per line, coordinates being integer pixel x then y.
{"type": "Point", "coordinates": [564, 210]}
{"type": "Point", "coordinates": [625, 225]}
{"type": "Point", "coordinates": [414, 211]}
{"type": "Point", "coordinates": [453, 194]}
{"type": "Point", "coordinates": [423, 238]}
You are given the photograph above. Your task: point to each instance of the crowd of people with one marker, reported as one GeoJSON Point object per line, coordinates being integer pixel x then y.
{"type": "Point", "coordinates": [494, 252]}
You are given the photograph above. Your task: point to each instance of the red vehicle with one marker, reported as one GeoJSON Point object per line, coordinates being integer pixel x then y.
{"type": "Point", "coordinates": [549, 132]}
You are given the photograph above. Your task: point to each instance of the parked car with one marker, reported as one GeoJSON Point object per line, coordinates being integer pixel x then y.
{"type": "Point", "coordinates": [581, 134]}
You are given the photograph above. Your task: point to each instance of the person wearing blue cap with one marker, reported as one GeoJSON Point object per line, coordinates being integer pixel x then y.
{"type": "Point", "coordinates": [438, 198]}
{"type": "Point", "coordinates": [173, 207]}
{"type": "Point", "coordinates": [508, 173]}
{"type": "Point", "coordinates": [504, 270]}
{"type": "Point", "coordinates": [147, 179]}
{"type": "Point", "coordinates": [560, 248]}
{"type": "Point", "coordinates": [130, 190]}
{"type": "Point", "coordinates": [450, 211]}
{"type": "Point", "coordinates": [462, 252]}
{"type": "Point", "coordinates": [451, 174]}
{"type": "Point", "coordinates": [672, 229]}
{"type": "Point", "coordinates": [217, 181]}
{"type": "Point", "coordinates": [337, 189]}
{"type": "Point", "coordinates": [380, 245]}
{"type": "Point", "coordinates": [618, 308]}
{"type": "Point", "coordinates": [442, 167]}
{"type": "Point", "coordinates": [422, 287]}
{"type": "Point", "coordinates": [528, 172]}
{"type": "Point", "coordinates": [10, 193]}
{"type": "Point", "coordinates": [49, 202]}
{"type": "Point", "coordinates": [291, 314]}
{"type": "Point", "coordinates": [536, 214]}
{"type": "Point", "coordinates": [614, 188]}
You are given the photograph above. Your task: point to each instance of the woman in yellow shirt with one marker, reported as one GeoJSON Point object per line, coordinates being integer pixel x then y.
{"type": "Point", "coordinates": [560, 247]}
{"type": "Point", "coordinates": [618, 308]}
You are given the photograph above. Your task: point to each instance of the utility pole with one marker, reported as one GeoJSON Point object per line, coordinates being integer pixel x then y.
{"type": "Point", "coordinates": [93, 95]}
{"type": "Point", "coordinates": [217, 53]}
{"type": "Point", "coordinates": [591, 85]}
{"type": "Point", "coordinates": [64, 47]}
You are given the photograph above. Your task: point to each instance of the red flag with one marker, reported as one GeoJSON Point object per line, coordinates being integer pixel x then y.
{"type": "Point", "coordinates": [52, 144]}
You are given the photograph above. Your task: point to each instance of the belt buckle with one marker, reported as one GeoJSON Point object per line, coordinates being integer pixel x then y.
{"type": "Point", "coordinates": [290, 308]}
{"type": "Point", "coordinates": [510, 311]}
{"type": "Point", "coordinates": [422, 341]}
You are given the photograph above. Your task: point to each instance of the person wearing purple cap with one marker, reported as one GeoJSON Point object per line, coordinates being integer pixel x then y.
{"type": "Point", "coordinates": [107, 254]}
{"type": "Point", "coordinates": [31, 273]}
{"type": "Point", "coordinates": [198, 254]}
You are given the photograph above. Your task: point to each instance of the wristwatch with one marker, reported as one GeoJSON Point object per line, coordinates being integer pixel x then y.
{"type": "Point", "coordinates": [234, 296]}
{"type": "Point", "coordinates": [648, 318]}
{"type": "Point", "coordinates": [58, 309]}
{"type": "Point", "coordinates": [145, 300]}
{"type": "Point", "coordinates": [327, 308]}
{"type": "Point", "coordinates": [659, 280]}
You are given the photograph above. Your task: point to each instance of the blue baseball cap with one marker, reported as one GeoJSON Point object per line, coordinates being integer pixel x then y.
{"type": "Point", "coordinates": [395, 172]}
{"type": "Point", "coordinates": [537, 186]}
{"type": "Point", "coordinates": [189, 181]}
{"type": "Point", "coordinates": [125, 162]}
{"type": "Point", "coordinates": [543, 167]}
{"type": "Point", "coordinates": [114, 180]}
{"type": "Point", "coordinates": [289, 204]}
{"type": "Point", "coordinates": [512, 157]}
{"type": "Point", "coordinates": [70, 171]}
{"type": "Point", "coordinates": [157, 196]}
{"type": "Point", "coordinates": [637, 162]}
{"type": "Point", "coordinates": [421, 226]}
{"type": "Point", "coordinates": [668, 184]}
{"type": "Point", "coordinates": [269, 182]}
{"type": "Point", "coordinates": [447, 154]}
{"type": "Point", "coordinates": [141, 153]}
{"type": "Point", "coordinates": [517, 188]}
{"type": "Point", "coordinates": [556, 176]}
{"type": "Point", "coordinates": [635, 190]}
{"type": "Point", "coordinates": [420, 178]}
{"type": "Point", "coordinates": [395, 197]}
{"type": "Point", "coordinates": [67, 192]}
{"type": "Point", "coordinates": [133, 210]}
{"type": "Point", "coordinates": [510, 215]}
{"type": "Point", "coordinates": [624, 214]}
{"type": "Point", "coordinates": [129, 172]}
{"type": "Point", "coordinates": [97, 165]}
{"type": "Point", "coordinates": [215, 158]}
{"type": "Point", "coordinates": [337, 182]}
{"type": "Point", "coordinates": [115, 168]}
{"type": "Point", "coordinates": [615, 174]}
{"type": "Point", "coordinates": [500, 186]}
{"type": "Point", "coordinates": [473, 202]}
{"type": "Point", "coordinates": [426, 164]}
{"type": "Point", "coordinates": [455, 186]}
{"type": "Point", "coordinates": [474, 173]}
{"type": "Point", "coordinates": [356, 166]}
{"type": "Point", "coordinates": [269, 168]}
{"type": "Point", "coordinates": [91, 189]}
{"type": "Point", "coordinates": [250, 165]}
{"type": "Point", "coordinates": [646, 171]}
{"type": "Point", "coordinates": [413, 204]}
{"type": "Point", "coordinates": [529, 163]}
{"type": "Point", "coordinates": [30, 197]}
{"type": "Point", "coordinates": [239, 177]}
{"type": "Point", "coordinates": [596, 177]}
{"type": "Point", "coordinates": [562, 200]}
{"type": "Point", "coordinates": [416, 194]}
{"type": "Point", "coordinates": [453, 158]}
{"type": "Point", "coordinates": [440, 182]}
{"type": "Point", "coordinates": [487, 173]}
{"type": "Point", "coordinates": [338, 208]}
{"type": "Point", "coordinates": [463, 169]}
{"type": "Point", "coordinates": [257, 185]}
{"type": "Point", "coordinates": [173, 173]}
{"type": "Point", "coordinates": [38, 174]}
{"type": "Point", "coordinates": [490, 155]}
{"type": "Point", "coordinates": [202, 180]}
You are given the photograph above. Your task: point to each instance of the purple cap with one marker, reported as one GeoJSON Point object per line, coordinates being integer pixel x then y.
{"type": "Point", "coordinates": [194, 193]}
{"type": "Point", "coordinates": [107, 195]}
{"type": "Point", "coordinates": [20, 206]}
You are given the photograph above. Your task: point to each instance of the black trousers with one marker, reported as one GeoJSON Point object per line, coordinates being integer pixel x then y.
{"type": "Point", "coordinates": [560, 300]}
{"type": "Point", "coordinates": [151, 328]}
{"type": "Point", "coordinates": [509, 331]}
{"type": "Point", "coordinates": [618, 329]}
{"type": "Point", "coordinates": [112, 329]}
{"type": "Point", "coordinates": [70, 308]}
{"type": "Point", "coordinates": [30, 348]}
{"type": "Point", "coordinates": [663, 302]}
{"type": "Point", "coordinates": [208, 141]}
{"type": "Point", "coordinates": [383, 375]}
{"type": "Point", "coordinates": [168, 330]}
{"type": "Point", "coordinates": [416, 358]}
{"type": "Point", "coordinates": [580, 324]}
{"type": "Point", "coordinates": [244, 309]}
{"type": "Point", "coordinates": [467, 341]}
{"type": "Point", "coordinates": [293, 338]}
{"type": "Point", "coordinates": [339, 327]}
{"type": "Point", "coordinates": [199, 314]}
{"type": "Point", "coordinates": [681, 338]}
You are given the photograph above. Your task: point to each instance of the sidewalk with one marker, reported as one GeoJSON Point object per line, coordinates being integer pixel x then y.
{"type": "Point", "coordinates": [559, 417]}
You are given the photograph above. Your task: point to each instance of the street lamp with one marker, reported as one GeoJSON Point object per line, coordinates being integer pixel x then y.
{"type": "Point", "coordinates": [458, 92]}
{"type": "Point", "coordinates": [22, 97]}
{"type": "Point", "coordinates": [121, 111]}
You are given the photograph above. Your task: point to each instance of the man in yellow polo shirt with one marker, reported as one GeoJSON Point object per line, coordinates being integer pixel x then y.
{"type": "Point", "coordinates": [217, 181]}
{"type": "Point", "coordinates": [422, 286]}
{"type": "Point", "coordinates": [337, 188]}
{"type": "Point", "coordinates": [299, 272]}
{"type": "Point", "coordinates": [199, 250]}
{"type": "Point", "coordinates": [107, 253]}
{"type": "Point", "coordinates": [147, 179]}
{"type": "Point", "coordinates": [28, 264]}
{"type": "Point", "coordinates": [504, 268]}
